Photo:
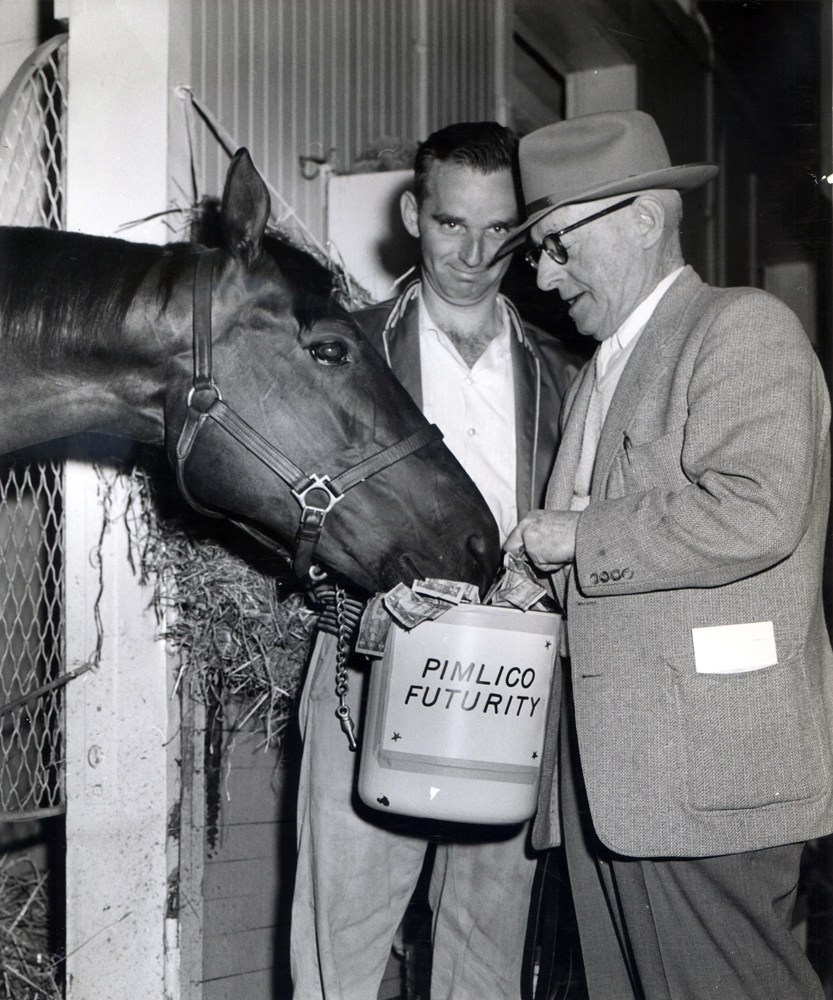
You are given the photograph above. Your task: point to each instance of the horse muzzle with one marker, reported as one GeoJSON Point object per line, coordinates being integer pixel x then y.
{"type": "Point", "coordinates": [474, 559]}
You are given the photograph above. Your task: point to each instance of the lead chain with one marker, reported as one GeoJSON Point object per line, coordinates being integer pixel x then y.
{"type": "Point", "coordinates": [342, 653]}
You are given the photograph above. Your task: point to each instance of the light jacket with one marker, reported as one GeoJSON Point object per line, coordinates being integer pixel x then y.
{"type": "Point", "coordinates": [708, 507]}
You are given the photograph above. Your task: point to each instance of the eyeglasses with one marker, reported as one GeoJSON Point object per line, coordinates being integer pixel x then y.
{"type": "Point", "coordinates": [552, 244]}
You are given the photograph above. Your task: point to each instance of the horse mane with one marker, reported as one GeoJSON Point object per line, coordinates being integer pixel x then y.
{"type": "Point", "coordinates": [314, 286]}
{"type": "Point", "coordinates": [68, 293]}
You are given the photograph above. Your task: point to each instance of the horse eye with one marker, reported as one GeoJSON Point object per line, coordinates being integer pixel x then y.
{"type": "Point", "coordinates": [331, 352]}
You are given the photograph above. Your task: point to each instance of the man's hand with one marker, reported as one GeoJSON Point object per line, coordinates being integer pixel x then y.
{"type": "Point", "coordinates": [548, 537]}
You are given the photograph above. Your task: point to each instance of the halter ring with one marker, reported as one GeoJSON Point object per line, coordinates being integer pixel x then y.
{"type": "Point", "coordinates": [321, 483]}
{"type": "Point", "coordinates": [212, 385]}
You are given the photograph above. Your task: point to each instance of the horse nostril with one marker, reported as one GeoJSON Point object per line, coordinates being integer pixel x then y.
{"type": "Point", "coordinates": [484, 554]}
{"type": "Point", "coordinates": [477, 545]}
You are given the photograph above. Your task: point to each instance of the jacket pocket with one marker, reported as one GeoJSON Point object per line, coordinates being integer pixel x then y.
{"type": "Point", "coordinates": [750, 739]}
{"type": "Point", "coordinates": [642, 466]}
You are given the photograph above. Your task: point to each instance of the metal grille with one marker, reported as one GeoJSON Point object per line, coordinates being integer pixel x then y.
{"type": "Point", "coordinates": [32, 161]}
{"type": "Point", "coordinates": [31, 643]}
{"type": "Point", "coordinates": [33, 146]}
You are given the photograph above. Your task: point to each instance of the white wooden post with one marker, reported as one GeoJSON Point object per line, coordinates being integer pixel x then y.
{"type": "Point", "coordinates": [118, 725]}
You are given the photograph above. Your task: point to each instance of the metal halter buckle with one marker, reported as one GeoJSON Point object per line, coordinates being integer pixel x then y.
{"type": "Point", "coordinates": [317, 483]}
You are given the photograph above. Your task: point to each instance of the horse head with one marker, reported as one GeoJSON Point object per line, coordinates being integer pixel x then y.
{"type": "Point", "coordinates": [290, 389]}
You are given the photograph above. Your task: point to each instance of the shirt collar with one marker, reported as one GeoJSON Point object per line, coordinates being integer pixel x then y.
{"type": "Point", "coordinates": [635, 323]}
{"type": "Point", "coordinates": [498, 347]}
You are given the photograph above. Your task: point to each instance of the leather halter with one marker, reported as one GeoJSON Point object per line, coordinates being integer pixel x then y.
{"type": "Point", "coordinates": [316, 494]}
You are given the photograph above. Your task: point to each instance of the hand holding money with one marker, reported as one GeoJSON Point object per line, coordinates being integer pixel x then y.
{"type": "Point", "coordinates": [515, 586]}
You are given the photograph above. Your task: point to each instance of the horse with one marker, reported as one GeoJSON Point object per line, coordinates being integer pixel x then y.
{"type": "Point", "coordinates": [239, 361]}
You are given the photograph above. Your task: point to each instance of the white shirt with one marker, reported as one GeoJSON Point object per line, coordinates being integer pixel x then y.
{"type": "Point", "coordinates": [611, 358]}
{"type": "Point", "coordinates": [475, 409]}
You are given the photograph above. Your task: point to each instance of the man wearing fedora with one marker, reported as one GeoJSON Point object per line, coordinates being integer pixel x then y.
{"type": "Point", "coordinates": [684, 530]}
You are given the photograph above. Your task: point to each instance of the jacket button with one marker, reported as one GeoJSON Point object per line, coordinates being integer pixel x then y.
{"type": "Point", "coordinates": [604, 577]}
{"type": "Point", "coordinates": [594, 577]}
{"type": "Point", "coordinates": [627, 574]}
{"type": "Point", "coordinates": [616, 574]}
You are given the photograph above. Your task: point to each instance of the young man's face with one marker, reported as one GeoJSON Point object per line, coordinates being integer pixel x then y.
{"type": "Point", "coordinates": [464, 218]}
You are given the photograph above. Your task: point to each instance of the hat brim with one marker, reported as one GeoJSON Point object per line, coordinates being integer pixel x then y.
{"type": "Point", "coordinates": [683, 178]}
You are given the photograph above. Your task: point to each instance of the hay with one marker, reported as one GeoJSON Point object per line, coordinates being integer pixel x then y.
{"type": "Point", "coordinates": [27, 970]}
{"type": "Point", "coordinates": [241, 629]}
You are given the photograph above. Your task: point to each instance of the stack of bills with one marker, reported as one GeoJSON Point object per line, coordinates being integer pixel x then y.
{"type": "Point", "coordinates": [514, 586]}
{"type": "Point", "coordinates": [427, 599]}
{"type": "Point", "coordinates": [408, 606]}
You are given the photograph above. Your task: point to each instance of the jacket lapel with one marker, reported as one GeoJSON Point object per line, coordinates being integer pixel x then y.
{"type": "Point", "coordinates": [644, 367]}
{"type": "Point", "coordinates": [563, 479]}
{"type": "Point", "coordinates": [527, 381]}
{"type": "Point", "coordinates": [401, 345]}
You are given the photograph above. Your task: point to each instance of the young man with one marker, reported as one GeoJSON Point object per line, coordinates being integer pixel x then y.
{"type": "Point", "coordinates": [685, 524]}
{"type": "Point", "coordinates": [494, 387]}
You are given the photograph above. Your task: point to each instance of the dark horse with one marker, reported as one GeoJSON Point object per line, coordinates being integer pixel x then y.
{"type": "Point", "coordinates": [258, 382]}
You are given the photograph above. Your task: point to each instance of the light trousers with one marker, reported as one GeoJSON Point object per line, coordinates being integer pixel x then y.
{"type": "Point", "coordinates": [357, 870]}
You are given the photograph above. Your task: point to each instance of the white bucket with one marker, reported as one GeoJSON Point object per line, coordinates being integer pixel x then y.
{"type": "Point", "coordinates": [456, 715]}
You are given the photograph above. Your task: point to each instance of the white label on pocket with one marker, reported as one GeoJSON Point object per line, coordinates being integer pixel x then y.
{"type": "Point", "coordinates": [734, 649]}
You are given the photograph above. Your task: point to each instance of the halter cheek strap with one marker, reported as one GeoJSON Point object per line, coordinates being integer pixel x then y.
{"type": "Point", "coordinates": [316, 494]}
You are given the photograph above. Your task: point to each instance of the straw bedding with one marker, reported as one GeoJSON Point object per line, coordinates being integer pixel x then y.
{"type": "Point", "coordinates": [27, 969]}
{"type": "Point", "coordinates": [238, 620]}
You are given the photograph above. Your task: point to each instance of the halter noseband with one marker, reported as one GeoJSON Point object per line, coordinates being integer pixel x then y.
{"type": "Point", "coordinates": [316, 494]}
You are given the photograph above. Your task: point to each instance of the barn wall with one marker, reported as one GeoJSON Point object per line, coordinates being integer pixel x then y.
{"type": "Point", "coordinates": [330, 78]}
{"type": "Point", "coordinates": [246, 885]}
{"type": "Point", "coordinates": [617, 54]}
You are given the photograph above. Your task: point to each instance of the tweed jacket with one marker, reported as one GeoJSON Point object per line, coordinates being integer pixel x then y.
{"type": "Point", "coordinates": [708, 508]}
{"type": "Point", "coordinates": [543, 370]}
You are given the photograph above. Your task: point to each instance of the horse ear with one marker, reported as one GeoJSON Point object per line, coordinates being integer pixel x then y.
{"type": "Point", "coordinates": [245, 210]}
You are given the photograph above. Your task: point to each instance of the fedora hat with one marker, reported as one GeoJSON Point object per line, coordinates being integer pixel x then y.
{"type": "Point", "coordinates": [596, 156]}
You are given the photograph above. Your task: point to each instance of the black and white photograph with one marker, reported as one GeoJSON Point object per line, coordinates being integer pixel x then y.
{"type": "Point", "coordinates": [416, 575]}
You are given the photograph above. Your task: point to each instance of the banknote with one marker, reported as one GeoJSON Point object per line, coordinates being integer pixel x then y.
{"type": "Point", "coordinates": [373, 628]}
{"type": "Point", "coordinates": [515, 585]}
{"type": "Point", "coordinates": [521, 593]}
{"type": "Point", "coordinates": [471, 595]}
{"type": "Point", "coordinates": [514, 564]}
{"type": "Point", "coordinates": [498, 594]}
{"type": "Point", "coordinates": [410, 609]}
{"type": "Point", "coordinates": [445, 590]}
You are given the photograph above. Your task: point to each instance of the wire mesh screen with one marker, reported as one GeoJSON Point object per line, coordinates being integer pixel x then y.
{"type": "Point", "coordinates": [33, 140]}
{"type": "Point", "coordinates": [31, 645]}
{"type": "Point", "coordinates": [32, 157]}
